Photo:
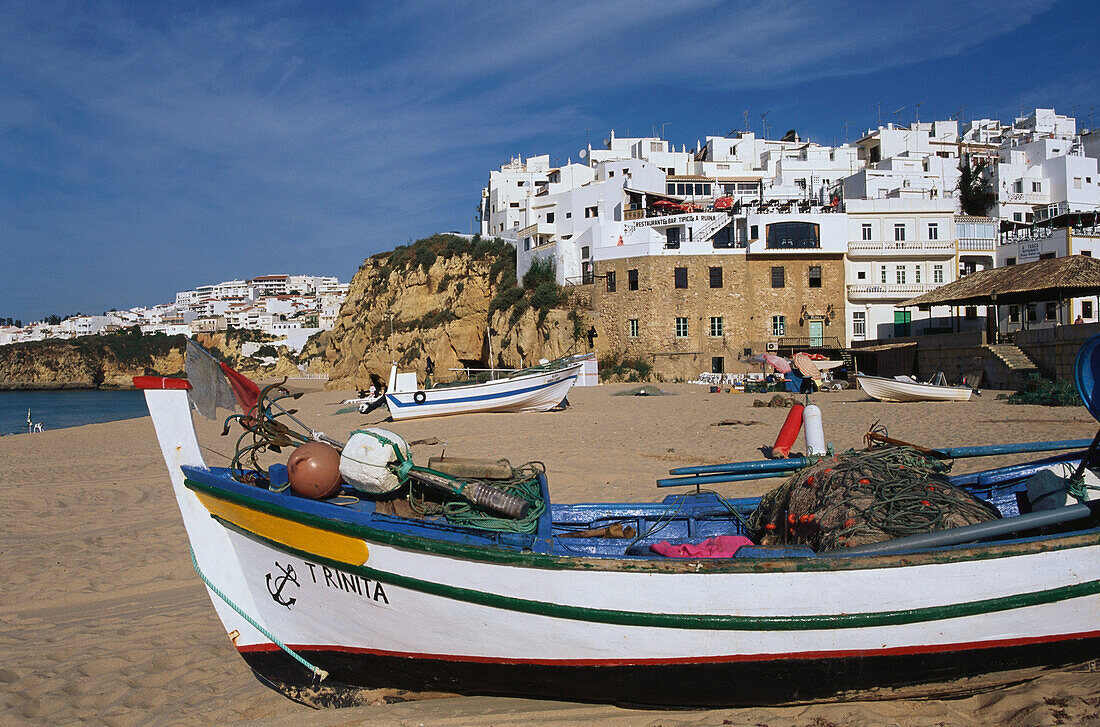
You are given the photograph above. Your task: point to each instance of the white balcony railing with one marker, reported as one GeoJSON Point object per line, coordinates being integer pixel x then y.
{"type": "Point", "coordinates": [870, 291]}
{"type": "Point", "coordinates": [1025, 198]}
{"type": "Point", "coordinates": [912, 247]}
{"type": "Point", "coordinates": [977, 244]}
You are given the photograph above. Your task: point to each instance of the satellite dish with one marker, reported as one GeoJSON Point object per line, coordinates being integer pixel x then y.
{"type": "Point", "coordinates": [583, 153]}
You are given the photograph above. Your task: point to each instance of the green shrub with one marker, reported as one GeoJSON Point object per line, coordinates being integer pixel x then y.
{"type": "Point", "coordinates": [542, 270]}
{"type": "Point", "coordinates": [443, 283]}
{"type": "Point", "coordinates": [504, 268]}
{"type": "Point", "coordinates": [518, 310]}
{"type": "Point", "coordinates": [1045, 392]}
{"type": "Point", "coordinates": [630, 369]}
{"type": "Point", "coordinates": [505, 299]}
{"type": "Point", "coordinates": [578, 325]}
{"type": "Point", "coordinates": [428, 321]}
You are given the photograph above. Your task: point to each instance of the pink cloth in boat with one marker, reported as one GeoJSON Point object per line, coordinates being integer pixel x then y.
{"type": "Point", "coordinates": [723, 546]}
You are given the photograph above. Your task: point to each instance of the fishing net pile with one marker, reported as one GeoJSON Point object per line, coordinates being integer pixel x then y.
{"type": "Point", "coordinates": [864, 497]}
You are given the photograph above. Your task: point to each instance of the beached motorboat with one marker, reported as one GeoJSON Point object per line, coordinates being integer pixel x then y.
{"type": "Point", "coordinates": [322, 598]}
{"type": "Point", "coordinates": [363, 404]}
{"type": "Point", "coordinates": [906, 388]}
{"type": "Point", "coordinates": [538, 388]}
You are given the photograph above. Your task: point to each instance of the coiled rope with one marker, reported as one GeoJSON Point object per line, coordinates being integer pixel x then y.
{"type": "Point", "coordinates": [523, 483]}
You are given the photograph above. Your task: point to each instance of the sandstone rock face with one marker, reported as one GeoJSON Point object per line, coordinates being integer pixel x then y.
{"type": "Point", "coordinates": [103, 362]}
{"type": "Point", "coordinates": [83, 364]}
{"type": "Point", "coordinates": [408, 314]}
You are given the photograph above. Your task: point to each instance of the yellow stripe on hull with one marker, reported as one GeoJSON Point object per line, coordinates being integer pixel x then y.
{"type": "Point", "coordinates": [306, 538]}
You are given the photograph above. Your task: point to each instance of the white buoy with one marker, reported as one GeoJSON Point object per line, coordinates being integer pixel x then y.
{"type": "Point", "coordinates": [815, 433]}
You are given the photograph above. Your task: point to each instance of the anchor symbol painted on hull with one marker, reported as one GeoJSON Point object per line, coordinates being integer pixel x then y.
{"type": "Point", "coordinates": [280, 582]}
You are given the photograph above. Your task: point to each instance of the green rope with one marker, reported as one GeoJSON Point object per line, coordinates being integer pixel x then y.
{"type": "Point", "coordinates": [523, 483]}
{"type": "Point", "coordinates": [318, 672]}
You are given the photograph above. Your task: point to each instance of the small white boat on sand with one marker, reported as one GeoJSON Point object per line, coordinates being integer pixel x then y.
{"type": "Point", "coordinates": [538, 388]}
{"type": "Point", "coordinates": [906, 388]}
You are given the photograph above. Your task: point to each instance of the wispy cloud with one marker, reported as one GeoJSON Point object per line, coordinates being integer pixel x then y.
{"type": "Point", "coordinates": [291, 136]}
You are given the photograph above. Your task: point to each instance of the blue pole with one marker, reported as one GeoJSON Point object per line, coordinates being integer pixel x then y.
{"type": "Point", "coordinates": [995, 449]}
{"type": "Point", "coordinates": [772, 465]}
{"type": "Point", "coordinates": [974, 479]}
{"type": "Point", "coordinates": [715, 478]}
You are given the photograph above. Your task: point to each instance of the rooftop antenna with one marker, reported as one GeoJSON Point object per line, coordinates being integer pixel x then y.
{"type": "Point", "coordinates": [663, 125]}
{"type": "Point", "coordinates": [918, 111]}
{"type": "Point", "coordinates": [880, 113]}
{"type": "Point", "coordinates": [763, 124]}
{"type": "Point", "coordinates": [748, 125]}
{"type": "Point", "coordinates": [847, 123]}
{"type": "Point", "coordinates": [897, 113]}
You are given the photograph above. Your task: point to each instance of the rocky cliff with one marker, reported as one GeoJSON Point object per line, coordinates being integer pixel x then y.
{"type": "Point", "coordinates": [111, 361]}
{"type": "Point", "coordinates": [453, 300]}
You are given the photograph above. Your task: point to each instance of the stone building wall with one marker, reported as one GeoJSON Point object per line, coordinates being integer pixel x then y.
{"type": "Point", "coordinates": [746, 302]}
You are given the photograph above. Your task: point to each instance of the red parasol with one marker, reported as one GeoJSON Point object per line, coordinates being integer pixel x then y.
{"type": "Point", "coordinates": [806, 365]}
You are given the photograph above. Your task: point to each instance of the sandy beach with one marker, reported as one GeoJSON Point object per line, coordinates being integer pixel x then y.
{"type": "Point", "coordinates": [104, 621]}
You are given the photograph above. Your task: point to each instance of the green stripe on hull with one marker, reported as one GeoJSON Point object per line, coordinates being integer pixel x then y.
{"type": "Point", "coordinates": [488, 554]}
{"type": "Point", "coordinates": [712, 622]}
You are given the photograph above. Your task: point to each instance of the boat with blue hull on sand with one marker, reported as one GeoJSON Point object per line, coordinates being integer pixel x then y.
{"type": "Point", "coordinates": [323, 598]}
{"type": "Point", "coordinates": [538, 388]}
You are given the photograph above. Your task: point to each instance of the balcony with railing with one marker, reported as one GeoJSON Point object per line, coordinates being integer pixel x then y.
{"type": "Point", "coordinates": [977, 244]}
{"type": "Point", "coordinates": [880, 291]}
{"type": "Point", "coordinates": [1025, 198]}
{"type": "Point", "coordinates": [901, 248]}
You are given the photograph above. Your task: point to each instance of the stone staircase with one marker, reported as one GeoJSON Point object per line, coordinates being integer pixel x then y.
{"type": "Point", "coordinates": [1014, 366]}
{"type": "Point", "coordinates": [1013, 358]}
{"type": "Point", "coordinates": [849, 361]}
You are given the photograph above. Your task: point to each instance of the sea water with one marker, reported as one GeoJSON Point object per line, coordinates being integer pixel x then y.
{"type": "Point", "coordinates": [59, 409]}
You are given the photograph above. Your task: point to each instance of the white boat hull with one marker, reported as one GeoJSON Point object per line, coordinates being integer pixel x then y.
{"type": "Point", "coordinates": [529, 392]}
{"type": "Point", "coordinates": [400, 607]}
{"type": "Point", "coordinates": [884, 389]}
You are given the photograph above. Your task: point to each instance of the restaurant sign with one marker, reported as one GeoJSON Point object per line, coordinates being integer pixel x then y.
{"type": "Point", "coordinates": [1030, 250]}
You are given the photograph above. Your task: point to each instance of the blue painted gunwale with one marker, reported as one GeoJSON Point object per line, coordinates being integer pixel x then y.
{"type": "Point", "coordinates": [538, 550]}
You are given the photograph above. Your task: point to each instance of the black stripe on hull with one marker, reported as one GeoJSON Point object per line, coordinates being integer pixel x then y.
{"type": "Point", "coordinates": [746, 683]}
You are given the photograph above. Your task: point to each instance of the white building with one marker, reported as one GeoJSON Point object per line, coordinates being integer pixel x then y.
{"type": "Point", "coordinates": [898, 248]}
{"type": "Point", "coordinates": [84, 326]}
{"type": "Point", "coordinates": [269, 285]}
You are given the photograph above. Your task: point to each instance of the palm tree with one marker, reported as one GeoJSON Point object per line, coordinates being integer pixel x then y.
{"type": "Point", "coordinates": [976, 195]}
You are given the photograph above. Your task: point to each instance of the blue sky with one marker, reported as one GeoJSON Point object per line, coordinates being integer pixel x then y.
{"type": "Point", "coordinates": [149, 147]}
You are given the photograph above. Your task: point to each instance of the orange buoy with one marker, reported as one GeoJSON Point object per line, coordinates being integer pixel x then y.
{"type": "Point", "coordinates": [314, 470]}
{"type": "Point", "coordinates": [789, 433]}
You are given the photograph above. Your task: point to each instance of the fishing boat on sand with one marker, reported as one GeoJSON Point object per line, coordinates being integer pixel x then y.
{"type": "Point", "coordinates": [496, 589]}
{"type": "Point", "coordinates": [537, 388]}
{"type": "Point", "coordinates": [906, 388]}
